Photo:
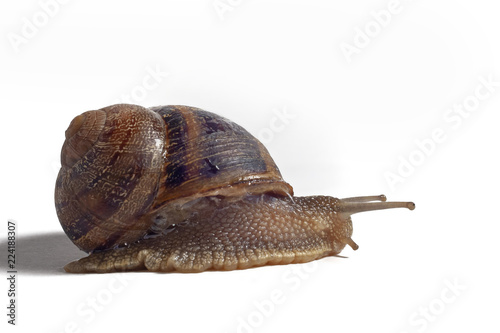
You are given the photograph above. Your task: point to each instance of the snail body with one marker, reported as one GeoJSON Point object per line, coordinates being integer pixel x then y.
{"type": "Point", "coordinates": [179, 188]}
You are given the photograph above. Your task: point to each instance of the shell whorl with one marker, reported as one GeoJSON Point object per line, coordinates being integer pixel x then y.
{"type": "Point", "coordinates": [210, 155]}
{"type": "Point", "coordinates": [111, 162]}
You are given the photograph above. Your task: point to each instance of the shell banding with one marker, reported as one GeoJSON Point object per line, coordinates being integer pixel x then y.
{"type": "Point", "coordinates": [126, 167]}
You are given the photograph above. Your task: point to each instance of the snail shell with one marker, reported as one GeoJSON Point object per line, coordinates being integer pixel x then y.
{"type": "Point", "coordinates": [127, 170]}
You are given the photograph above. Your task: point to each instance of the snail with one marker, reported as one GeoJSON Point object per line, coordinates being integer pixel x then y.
{"type": "Point", "coordinates": [177, 188]}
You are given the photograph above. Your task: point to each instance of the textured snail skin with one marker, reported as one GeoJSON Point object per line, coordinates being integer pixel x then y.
{"type": "Point", "coordinates": [269, 230]}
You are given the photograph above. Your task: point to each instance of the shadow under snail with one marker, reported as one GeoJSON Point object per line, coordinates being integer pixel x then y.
{"type": "Point", "coordinates": [177, 188]}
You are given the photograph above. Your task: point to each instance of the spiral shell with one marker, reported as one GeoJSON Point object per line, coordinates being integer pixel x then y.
{"type": "Point", "coordinates": [127, 170]}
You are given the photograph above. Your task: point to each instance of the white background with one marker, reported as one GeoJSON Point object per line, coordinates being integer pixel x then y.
{"type": "Point", "coordinates": [355, 118]}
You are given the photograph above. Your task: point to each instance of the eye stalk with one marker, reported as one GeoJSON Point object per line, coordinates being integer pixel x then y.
{"type": "Point", "coordinates": [350, 206]}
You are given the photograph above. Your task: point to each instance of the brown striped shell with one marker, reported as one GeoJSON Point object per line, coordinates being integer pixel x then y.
{"type": "Point", "coordinates": [129, 171]}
